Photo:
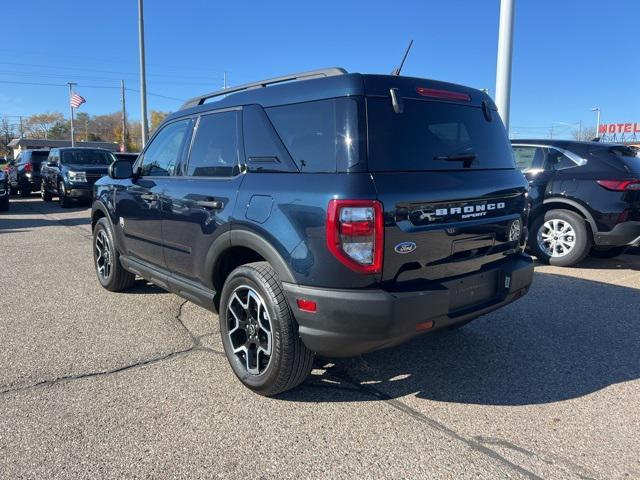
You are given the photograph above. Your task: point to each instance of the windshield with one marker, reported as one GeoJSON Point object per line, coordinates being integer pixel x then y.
{"type": "Point", "coordinates": [86, 157]}
{"type": "Point", "coordinates": [430, 135]}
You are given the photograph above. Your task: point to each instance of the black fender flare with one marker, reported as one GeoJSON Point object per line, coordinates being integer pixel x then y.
{"type": "Point", "coordinates": [96, 206]}
{"type": "Point", "coordinates": [248, 239]}
{"type": "Point", "coordinates": [585, 213]}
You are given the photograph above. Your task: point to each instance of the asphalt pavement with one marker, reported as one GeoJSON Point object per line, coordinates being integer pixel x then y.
{"type": "Point", "coordinates": [96, 384]}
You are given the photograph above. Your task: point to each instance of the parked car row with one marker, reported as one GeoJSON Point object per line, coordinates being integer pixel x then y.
{"type": "Point", "coordinates": [66, 173]}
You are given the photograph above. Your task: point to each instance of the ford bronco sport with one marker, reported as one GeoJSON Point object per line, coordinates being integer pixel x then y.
{"type": "Point", "coordinates": [323, 212]}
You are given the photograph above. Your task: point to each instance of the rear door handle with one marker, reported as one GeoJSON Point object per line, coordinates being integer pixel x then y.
{"type": "Point", "coordinates": [210, 204]}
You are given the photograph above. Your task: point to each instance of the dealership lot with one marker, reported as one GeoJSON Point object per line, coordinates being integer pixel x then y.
{"type": "Point", "coordinates": [96, 384]}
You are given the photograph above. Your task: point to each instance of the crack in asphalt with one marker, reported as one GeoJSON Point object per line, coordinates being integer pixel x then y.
{"type": "Point", "coordinates": [434, 424]}
{"type": "Point", "coordinates": [550, 459]}
{"type": "Point", "coordinates": [196, 346]}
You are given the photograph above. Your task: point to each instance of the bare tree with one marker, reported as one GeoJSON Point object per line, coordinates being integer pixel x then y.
{"type": "Point", "coordinates": [584, 135]}
{"type": "Point", "coordinates": [39, 125]}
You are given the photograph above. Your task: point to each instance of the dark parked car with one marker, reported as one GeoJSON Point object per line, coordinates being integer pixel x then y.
{"type": "Point", "coordinates": [25, 171]}
{"type": "Point", "coordinates": [70, 173]}
{"type": "Point", "coordinates": [4, 191]}
{"type": "Point", "coordinates": [323, 212]}
{"type": "Point", "coordinates": [585, 198]}
{"type": "Point", "coordinates": [132, 157]}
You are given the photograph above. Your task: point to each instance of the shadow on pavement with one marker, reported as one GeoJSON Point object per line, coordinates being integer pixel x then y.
{"type": "Point", "coordinates": [567, 338]}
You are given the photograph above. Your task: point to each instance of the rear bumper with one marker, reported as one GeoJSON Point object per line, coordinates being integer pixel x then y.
{"type": "Point", "coordinates": [626, 233]}
{"type": "Point", "coordinates": [31, 182]}
{"type": "Point", "coordinates": [351, 322]}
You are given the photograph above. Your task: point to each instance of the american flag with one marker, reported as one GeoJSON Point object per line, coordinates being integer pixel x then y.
{"type": "Point", "coordinates": [77, 100]}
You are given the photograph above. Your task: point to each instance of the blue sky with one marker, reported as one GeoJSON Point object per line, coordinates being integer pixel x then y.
{"type": "Point", "coordinates": [569, 55]}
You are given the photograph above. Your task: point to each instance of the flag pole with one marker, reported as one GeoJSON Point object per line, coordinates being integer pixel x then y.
{"type": "Point", "coordinates": [73, 140]}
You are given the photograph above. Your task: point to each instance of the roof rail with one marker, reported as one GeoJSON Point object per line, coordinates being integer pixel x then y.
{"type": "Point", "coordinates": [325, 72]}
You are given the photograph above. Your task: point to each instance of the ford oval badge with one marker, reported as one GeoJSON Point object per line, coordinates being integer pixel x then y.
{"type": "Point", "coordinates": [405, 247]}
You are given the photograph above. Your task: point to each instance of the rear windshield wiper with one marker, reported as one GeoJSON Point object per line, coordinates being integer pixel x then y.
{"type": "Point", "coordinates": [467, 158]}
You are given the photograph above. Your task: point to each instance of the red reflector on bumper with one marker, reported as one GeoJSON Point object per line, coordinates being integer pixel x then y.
{"type": "Point", "coordinates": [424, 326]}
{"type": "Point", "coordinates": [306, 305]}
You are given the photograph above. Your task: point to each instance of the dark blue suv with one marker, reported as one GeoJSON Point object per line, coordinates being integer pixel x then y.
{"type": "Point", "coordinates": [322, 212]}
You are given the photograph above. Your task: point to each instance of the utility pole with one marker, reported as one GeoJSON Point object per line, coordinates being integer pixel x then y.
{"type": "Point", "coordinates": [124, 117]}
{"type": "Point", "coordinates": [21, 128]}
{"type": "Point", "coordinates": [580, 131]}
{"type": "Point", "coordinates": [73, 138]}
{"type": "Point", "coordinates": [503, 69]}
{"type": "Point", "coordinates": [224, 81]}
{"type": "Point", "coordinates": [143, 76]}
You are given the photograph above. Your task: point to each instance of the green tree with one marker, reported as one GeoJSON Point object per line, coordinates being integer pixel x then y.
{"type": "Point", "coordinates": [157, 117]}
{"type": "Point", "coordinates": [61, 130]}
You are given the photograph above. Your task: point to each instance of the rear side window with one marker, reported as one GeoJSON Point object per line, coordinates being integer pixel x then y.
{"type": "Point", "coordinates": [215, 148]}
{"type": "Point", "coordinates": [319, 135]}
{"type": "Point", "coordinates": [432, 135]}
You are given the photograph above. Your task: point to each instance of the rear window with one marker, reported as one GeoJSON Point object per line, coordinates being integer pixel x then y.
{"type": "Point", "coordinates": [86, 157]}
{"type": "Point", "coordinates": [38, 157]}
{"type": "Point", "coordinates": [434, 136]}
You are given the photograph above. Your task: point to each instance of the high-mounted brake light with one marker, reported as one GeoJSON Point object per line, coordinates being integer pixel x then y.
{"type": "Point", "coordinates": [443, 94]}
{"type": "Point", "coordinates": [355, 233]}
{"type": "Point", "coordinates": [620, 185]}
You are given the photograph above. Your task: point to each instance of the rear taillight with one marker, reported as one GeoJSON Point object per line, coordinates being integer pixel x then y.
{"type": "Point", "coordinates": [620, 185]}
{"type": "Point", "coordinates": [28, 168]}
{"type": "Point", "coordinates": [355, 232]}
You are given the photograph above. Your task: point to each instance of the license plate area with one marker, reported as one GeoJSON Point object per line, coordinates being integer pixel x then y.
{"type": "Point", "coordinates": [472, 290]}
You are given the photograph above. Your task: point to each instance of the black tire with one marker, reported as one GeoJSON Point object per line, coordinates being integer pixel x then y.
{"type": "Point", "coordinates": [44, 193]}
{"type": "Point", "coordinates": [4, 203]}
{"type": "Point", "coordinates": [582, 238]}
{"type": "Point", "coordinates": [63, 199]}
{"type": "Point", "coordinates": [607, 252]}
{"type": "Point", "coordinates": [117, 278]}
{"type": "Point", "coordinates": [290, 361]}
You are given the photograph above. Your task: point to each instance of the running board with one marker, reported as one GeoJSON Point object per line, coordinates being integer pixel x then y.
{"type": "Point", "coordinates": [183, 287]}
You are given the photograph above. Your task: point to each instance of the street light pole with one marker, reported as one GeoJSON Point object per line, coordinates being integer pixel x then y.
{"type": "Point", "coordinates": [503, 69]}
{"type": "Point", "coordinates": [143, 77]}
{"type": "Point", "coordinates": [597, 110]}
{"type": "Point", "coordinates": [73, 137]}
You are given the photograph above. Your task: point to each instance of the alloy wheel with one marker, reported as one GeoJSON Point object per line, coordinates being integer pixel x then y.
{"type": "Point", "coordinates": [103, 255]}
{"type": "Point", "coordinates": [249, 329]}
{"type": "Point", "coordinates": [556, 238]}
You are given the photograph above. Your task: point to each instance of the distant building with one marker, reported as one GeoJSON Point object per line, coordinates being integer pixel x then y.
{"type": "Point", "coordinates": [20, 144]}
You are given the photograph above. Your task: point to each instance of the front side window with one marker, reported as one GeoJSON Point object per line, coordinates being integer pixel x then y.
{"type": "Point", "coordinates": [214, 152]}
{"type": "Point", "coordinates": [163, 153]}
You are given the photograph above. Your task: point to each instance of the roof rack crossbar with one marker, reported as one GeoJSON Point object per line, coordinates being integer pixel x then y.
{"type": "Point", "coordinates": [325, 72]}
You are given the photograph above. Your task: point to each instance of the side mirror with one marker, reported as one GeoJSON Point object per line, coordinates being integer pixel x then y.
{"type": "Point", "coordinates": [51, 163]}
{"type": "Point", "coordinates": [120, 169]}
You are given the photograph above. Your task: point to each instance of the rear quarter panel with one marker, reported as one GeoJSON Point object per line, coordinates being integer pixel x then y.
{"type": "Point", "coordinates": [296, 223]}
